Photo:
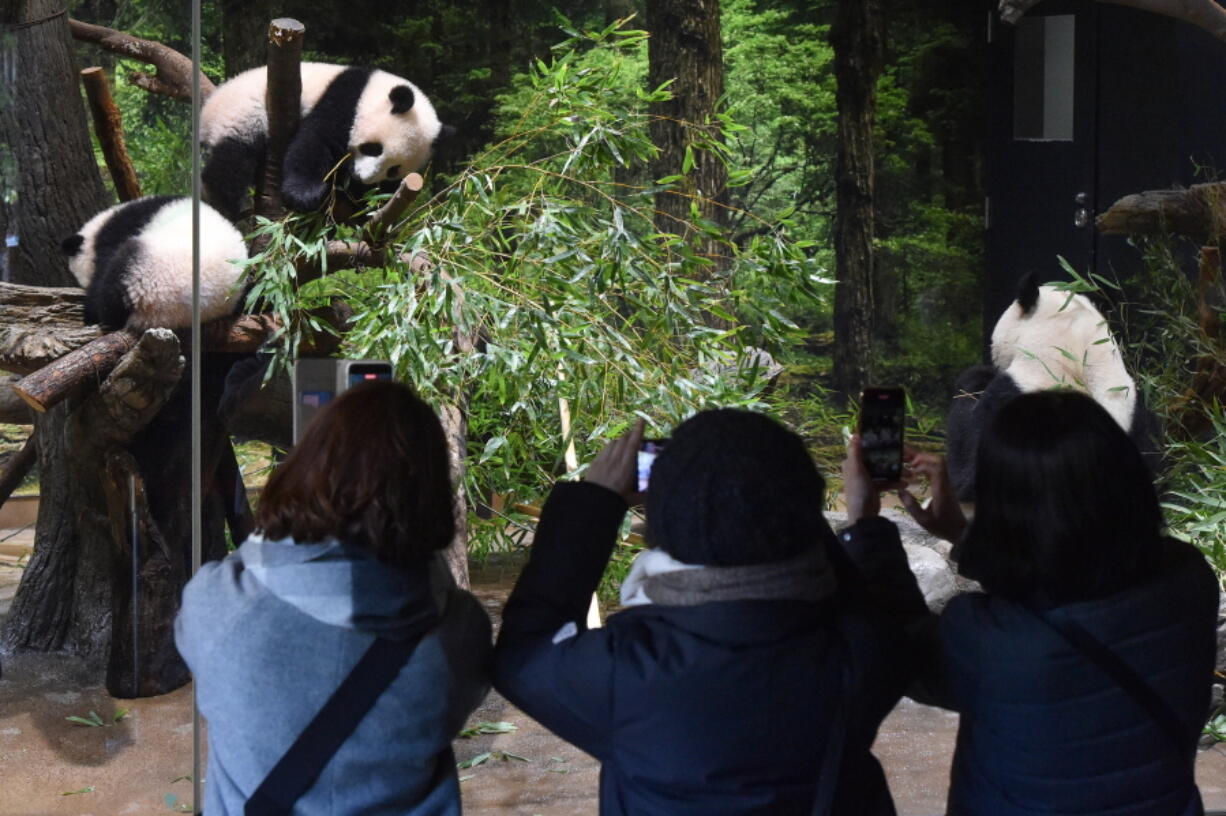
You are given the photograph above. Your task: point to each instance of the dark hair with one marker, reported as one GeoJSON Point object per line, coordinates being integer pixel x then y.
{"type": "Point", "coordinates": [1065, 509]}
{"type": "Point", "coordinates": [734, 487]}
{"type": "Point", "coordinates": [371, 470]}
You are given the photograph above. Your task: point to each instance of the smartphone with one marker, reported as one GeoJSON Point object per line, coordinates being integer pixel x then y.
{"type": "Point", "coordinates": [883, 413]}
{"type": "Point", "coordinates": [648, 450]}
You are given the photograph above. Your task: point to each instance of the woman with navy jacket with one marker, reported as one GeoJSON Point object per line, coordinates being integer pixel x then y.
{"type": "Point", "coordinates": [752, 663]}
{"type": "Point", "coordinates": [1082, 671]}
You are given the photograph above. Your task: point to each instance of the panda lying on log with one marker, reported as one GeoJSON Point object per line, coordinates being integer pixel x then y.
{"type": "Point", "coordinates": [1045, 339]}
{"type": "Point", "coordinates": [384, 122]}
{"type": "Point", "coordinates": [134, 261]}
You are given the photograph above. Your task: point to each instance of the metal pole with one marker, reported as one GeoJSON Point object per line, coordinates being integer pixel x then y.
{"type": "Point", "coordinates": [197, 525]}
{"type": "Point", "coordinates": [135, 583]}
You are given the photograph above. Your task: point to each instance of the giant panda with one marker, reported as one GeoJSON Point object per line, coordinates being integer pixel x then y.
{"type": "Point", "coordinates": [384, 122]}
{"type": "Point", "coordinates": [134, 261]}
{"type": "Point", "coordinates": [1045, 339]}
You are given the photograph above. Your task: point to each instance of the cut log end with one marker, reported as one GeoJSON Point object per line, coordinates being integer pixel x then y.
{"type": "Point", "coordinates": [285, 31]}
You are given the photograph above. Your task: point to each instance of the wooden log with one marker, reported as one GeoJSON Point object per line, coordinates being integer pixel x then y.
{"type": "Point", "coordinates": [283, 104]}
{"type": "Point", "coordinates": [39, 324]}
{"type": "Point", "coordinates": [17, 468]}
{"type": "Point", "coordinates": [92, 361]}
{"type": "Point", "coordinates": [247, 334]}
{"type": "Point", "coordinates": [383, 220]}
{"type": "Point", "coordinates": [108, 125]}
{"type": "Point", "coordinates": [241, 334]}
{"type": "Point", "coordinates": [1199, 212]}
{"type": "Point", "coordinates": [356, 255]}
{"type": "Point", "coordinates": [174, 71]}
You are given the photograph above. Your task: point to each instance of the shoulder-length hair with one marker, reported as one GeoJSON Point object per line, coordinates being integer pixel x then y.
{"type": "Point", "coordinates": [1065, 508]}
{"type": "Point", "coordinates": [371, 470]}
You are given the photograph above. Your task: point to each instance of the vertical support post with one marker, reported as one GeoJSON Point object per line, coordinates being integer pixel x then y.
{"type": "Point", "coordinates": [283, 102]}
{"type": "Point", "coordinates": [108, 125]}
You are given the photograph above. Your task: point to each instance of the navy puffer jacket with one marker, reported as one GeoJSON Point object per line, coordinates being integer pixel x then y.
{"type": "Point", "coordinates": [719, 709]}
{"type": "Point", "coordinates": [1044, 730]}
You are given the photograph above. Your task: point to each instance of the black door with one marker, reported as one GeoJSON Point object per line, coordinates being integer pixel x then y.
{"type": "Point", "coordinates": [1041, 148]}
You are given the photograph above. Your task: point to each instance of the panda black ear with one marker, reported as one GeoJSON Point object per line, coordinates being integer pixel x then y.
{"type": "Point", "coordinates": [402, 98]}
{"type": "Point", "coordinates": [1028, 292]}
{"type": "Point", "coordinates": [445, 132]}
{"type": "Point", "coordinates": [72, 246]}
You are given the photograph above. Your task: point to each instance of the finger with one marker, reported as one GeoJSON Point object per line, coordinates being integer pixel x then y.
{"type": "Point", "coordinates": [912, 505]}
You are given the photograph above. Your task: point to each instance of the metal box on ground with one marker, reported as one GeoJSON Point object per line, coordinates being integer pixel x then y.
{"type": "Point", "coordinates": [319, 381]}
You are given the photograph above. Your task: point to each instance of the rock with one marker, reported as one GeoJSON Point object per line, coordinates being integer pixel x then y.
{"type": "Point", "coordinates": [928, 557]}
{"type": "Point", "coordinates": [933, 574]}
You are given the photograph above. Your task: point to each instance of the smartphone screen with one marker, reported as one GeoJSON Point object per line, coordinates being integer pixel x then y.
{"type": "Point", "coordinates": [882, 417]}
{"type": "Point", "coordinates": [648, 451]}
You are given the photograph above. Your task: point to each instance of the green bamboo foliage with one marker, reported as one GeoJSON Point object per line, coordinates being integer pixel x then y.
{"type": "Point", "coordinates": [545, 254]}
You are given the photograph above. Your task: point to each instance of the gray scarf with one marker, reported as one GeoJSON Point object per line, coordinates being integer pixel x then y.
{"type": "Point", "coordinates": [656, 577]}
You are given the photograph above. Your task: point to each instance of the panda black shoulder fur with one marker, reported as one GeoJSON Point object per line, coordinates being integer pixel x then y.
{"type": "Point", "coordinates": [134, 261]}
{"type": "Point", "coordinates": [1045, 339]}
{"type": "Point", "coordinates": [385, 122]}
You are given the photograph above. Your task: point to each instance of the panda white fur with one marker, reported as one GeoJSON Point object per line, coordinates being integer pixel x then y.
{"type": "Point", "coordinates": [134, 261]}
{"type": "Point", "coordinates": [1045, 339]}
{"type": "Point", "coordinates": [383, 121]}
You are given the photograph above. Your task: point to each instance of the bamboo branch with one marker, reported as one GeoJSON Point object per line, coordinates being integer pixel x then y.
{"type": "Point", "coordinates": [283, 104]}
{"type": "Point", "coordinates": [383, 220]}
{"type": "Point", "coordinates": [174, 71]}
{"type": "Point", "coordinates": [108, 124]}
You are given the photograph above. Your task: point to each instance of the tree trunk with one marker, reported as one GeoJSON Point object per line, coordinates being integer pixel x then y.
{"type": "Point", "coordinates": [43, 199]}
{"type": "Point", "coordinates": [857, 36]}
{"type": "Point", "coordinates": [685, 46]}
{"type": "Point", "coordinates": [96, 446]}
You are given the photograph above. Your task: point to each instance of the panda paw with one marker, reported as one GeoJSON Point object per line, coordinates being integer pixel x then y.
{"type": "Point", "coordinates": [302, 195]}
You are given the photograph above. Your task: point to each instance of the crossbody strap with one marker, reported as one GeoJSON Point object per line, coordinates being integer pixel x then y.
{"type": "Point", "coordinates": [1139, 690]}
{"type": "Point", "coordinates": [302, 764]}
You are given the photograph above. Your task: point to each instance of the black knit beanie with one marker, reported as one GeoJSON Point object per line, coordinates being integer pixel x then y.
{"type": "Point", "coordinates": [734, 488]}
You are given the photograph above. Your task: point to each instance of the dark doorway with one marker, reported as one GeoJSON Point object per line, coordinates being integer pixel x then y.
{"type": "Point", "coordinates": [1041, 147]}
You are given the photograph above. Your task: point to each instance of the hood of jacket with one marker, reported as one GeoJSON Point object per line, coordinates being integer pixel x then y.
{"type": "Point", "coordinates": [344, 585]}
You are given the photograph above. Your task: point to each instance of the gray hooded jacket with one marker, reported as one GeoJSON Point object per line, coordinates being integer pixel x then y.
{"type": "Point", "coordinates": [272, 630]}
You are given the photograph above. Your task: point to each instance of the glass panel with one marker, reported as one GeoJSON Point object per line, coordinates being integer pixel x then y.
{"type": "Point", "coordinates": [1043, 66]}
{"type": "Point", "coordinates": [95, 701]}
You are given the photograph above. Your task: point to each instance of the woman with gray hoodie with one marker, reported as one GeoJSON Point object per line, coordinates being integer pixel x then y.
{"type": "Point", "coordinates": [334, 657]}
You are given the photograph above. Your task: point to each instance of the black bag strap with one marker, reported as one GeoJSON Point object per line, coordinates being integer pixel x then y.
{"type": "Point", "coordinates": [297, 770]}
{"type": "Point", "coordinates": [1140, 691]}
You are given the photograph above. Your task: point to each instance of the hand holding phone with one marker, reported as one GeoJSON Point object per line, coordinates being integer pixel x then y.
{"type": "Point", "coordinates": [882, 419]}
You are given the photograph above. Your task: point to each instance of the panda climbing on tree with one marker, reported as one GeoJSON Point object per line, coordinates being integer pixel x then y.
{"type": "Point", "coordinates": [1045, 339]}
{"type": "Point", "coordinates": [134, 261]}
{"type": "Point", "coordinates": [383, 122]}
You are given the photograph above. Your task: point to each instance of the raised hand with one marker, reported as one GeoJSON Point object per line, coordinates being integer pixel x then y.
{"type": "Point", "coordinates": [943, 516]}
{"type": "Point", "coordinates": [616, 467]}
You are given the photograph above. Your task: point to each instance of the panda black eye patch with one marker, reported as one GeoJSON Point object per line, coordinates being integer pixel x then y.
{"type": "Point", "coordinates": [370, 149]}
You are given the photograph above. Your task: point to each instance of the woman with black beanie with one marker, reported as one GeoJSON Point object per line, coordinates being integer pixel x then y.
{"type": "Point", "coordinates": [753, 660]}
